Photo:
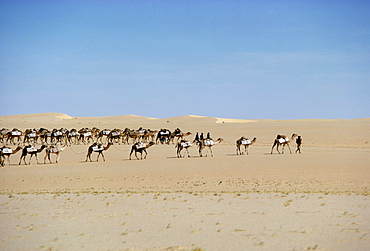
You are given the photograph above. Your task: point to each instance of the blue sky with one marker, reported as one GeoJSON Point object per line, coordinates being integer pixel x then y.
{"type": "Point", "coordinates": [231, 59]}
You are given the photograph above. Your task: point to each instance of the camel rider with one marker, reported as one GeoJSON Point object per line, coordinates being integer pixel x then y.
{"type": "Point", "coordinates": [209, 135]}
{"type": "Point", "coordinates": [201, 136]}
{"type": "Point", "coordinates": [196, 137]}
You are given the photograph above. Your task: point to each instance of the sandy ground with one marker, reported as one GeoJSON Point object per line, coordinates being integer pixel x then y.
{"type": "Point", "coordinates": [317, 200]}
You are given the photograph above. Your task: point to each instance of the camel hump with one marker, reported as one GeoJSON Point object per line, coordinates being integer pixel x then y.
{"type": "Point", "coordinates": [140, 145]}
{"type": "Point", "coordinates": [54, 149]}
{"type": "Point", "coordinates": [185, 144]}
{"type": "Point", "coordinates": [98, 148]}
{"type": "Point", "coordinates": [208, 142]}
{"type": "Point", "coordinates": [6, 150]}
{"type": "Point", "coordinates": [246, 142]}
{"type": "Point", "coordinates": [31, 149]}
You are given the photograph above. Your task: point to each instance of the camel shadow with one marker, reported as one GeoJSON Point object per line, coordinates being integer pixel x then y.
{"type": "Point", "coordinates": [186, 157]}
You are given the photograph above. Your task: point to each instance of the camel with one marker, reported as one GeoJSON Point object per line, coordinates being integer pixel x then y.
{"type": "Point", "coordinates": [115, 135]}
{"type": "Point", "coordinates": [174, 134]}
{"type": "Point", "coordinates": [208, 142]}
{"type": "Point", "coordinates": [140, 147]}
{"type": "Point", "coordinates": [181, 135]}
{"type": "Point", "coordinates": [5, 153]}
{"type": "Point", "coordinates": [3, 133]}
{"type": "Point", "coordinates": [150, 135]}
{"type": "Point", "coordinates": [98, 148]}
{"type": "Point", "coordinates": [134, 135]}
{"type": "Point", "coordinates": [282, 140]}
{"type": "Point", "coordinates": [32, 151]}
{"type": "Point", "coordinates": [30, 135]}
{"type": "Point", "coordinates": [43, 135]}
{"type": "Point", "coordinates": [244, 142]}
{"type": "Point", "coordinates": [85, 135]}
{"type": "Point", "coordinates": [55, 150]}
{"type": "Point", "coordinates": [72, 136]}
{"type": "Point", "coordinates": [163, 136]}
{"type": "Point", "coordinates": [14, 134]}
{"type": "Point", "coordinates": [183, 144]}
{"type": "Point", "coordinates": [103, 133]}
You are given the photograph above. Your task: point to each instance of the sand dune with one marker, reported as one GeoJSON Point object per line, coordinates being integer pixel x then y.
{"type": "Point", "coordinates": [317, 200]}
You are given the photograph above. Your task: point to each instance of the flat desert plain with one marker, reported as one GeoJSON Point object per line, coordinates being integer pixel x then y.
{"type": "Point", "coordinates": [316, 200]}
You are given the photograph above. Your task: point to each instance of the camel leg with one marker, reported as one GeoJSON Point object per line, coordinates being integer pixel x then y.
{"type": "Point", "coordinates": [103, 156]}
{"type": "Point", "coordinates": [246, 149]}
{"type": "Point", "coordinates": [273, 146]}
{"type": "Point", "coordinates": [20, 160]}
{"type": "Point", "coordinates": [211, 151]}
{"type": "Point", "coordinates": [178, 152]}
{"type": "Point", "coordinates": [289, 148]}
{"type": "Point", "coordinates": [99, 153]}
{"type": "Point", "coordinates": [49, 157]}
{"type": "Point", "coordinates": [132, 149]}
{"type": "Point", "coordinates": [46, 155]}
{"type": "Point", "coordinates": [137, 156]}
{"type": "Point", "coordinates": [3, 159]}
{"type": "Point", "coordinates": [187, 150]}
{"type": "Point", "coordinates": [146, 153]}
{"type": "Point", "coordinates": [277, 148]}
{"type": "Point", "coordinates": [29, 163]}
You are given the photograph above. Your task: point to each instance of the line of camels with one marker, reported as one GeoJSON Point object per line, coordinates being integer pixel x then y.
{"type": "Point", "coordinates": [142, 139]}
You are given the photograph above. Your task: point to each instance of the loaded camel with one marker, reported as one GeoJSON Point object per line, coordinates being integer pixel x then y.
{"type": "Point", "coordinates": [32, 151]}
{"type": "Point", "coordinates": [183, 144]}
{"type": "Point", "coordinates": [30, 135]}
{"type": "Point", "coordinates": [5, 153]}
{"type": "Point", "coordinates": [98, 148]}
{"type": "Point", "coordinates": [282, 140]}
{"type": "Point", "coordinates": [243, 141]}
{"type": "Point", "coordinates": [163, 136]}
{"type": "Point", "coordinates": [135, 135]}
{"type": "Point", "coordinates": [140, 147]}
{"type": "Point", "coordinates": [181, 135]}
{"type": "Point", "coordinates": [43, 135]}
{"type": "Point", "coordinates": [103, 133]}
{"type": "Point", "coordinates": [150, 135]}
{"type": "Point", "coordinates": [3, 133]}
{"type": "Point", "coordinates": [85, 135]}
{"type": "Point", "coordinates": [54, 149]}
{"type": "Point", "coordinates": [14, 134]}
{"type": "Point", "coordinates": [207, 142]}
{"type": "Point", "coordinates": [115, 135]}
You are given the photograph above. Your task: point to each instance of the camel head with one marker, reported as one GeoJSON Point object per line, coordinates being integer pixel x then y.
{"type": "Point", "coordinates": [294, 135]}
{"type": "Point", "coordinates": [219, 140]}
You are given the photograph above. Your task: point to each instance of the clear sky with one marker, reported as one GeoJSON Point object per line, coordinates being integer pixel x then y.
{"type": "Point", "coordinates": [232, 59]}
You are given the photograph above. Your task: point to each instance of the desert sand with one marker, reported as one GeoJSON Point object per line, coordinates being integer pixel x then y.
{"type": "Point", "coordinates": [317, 200]}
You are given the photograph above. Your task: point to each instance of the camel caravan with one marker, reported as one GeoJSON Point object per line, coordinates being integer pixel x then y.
{"type": "Point", "coordinates": [57, 140]}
